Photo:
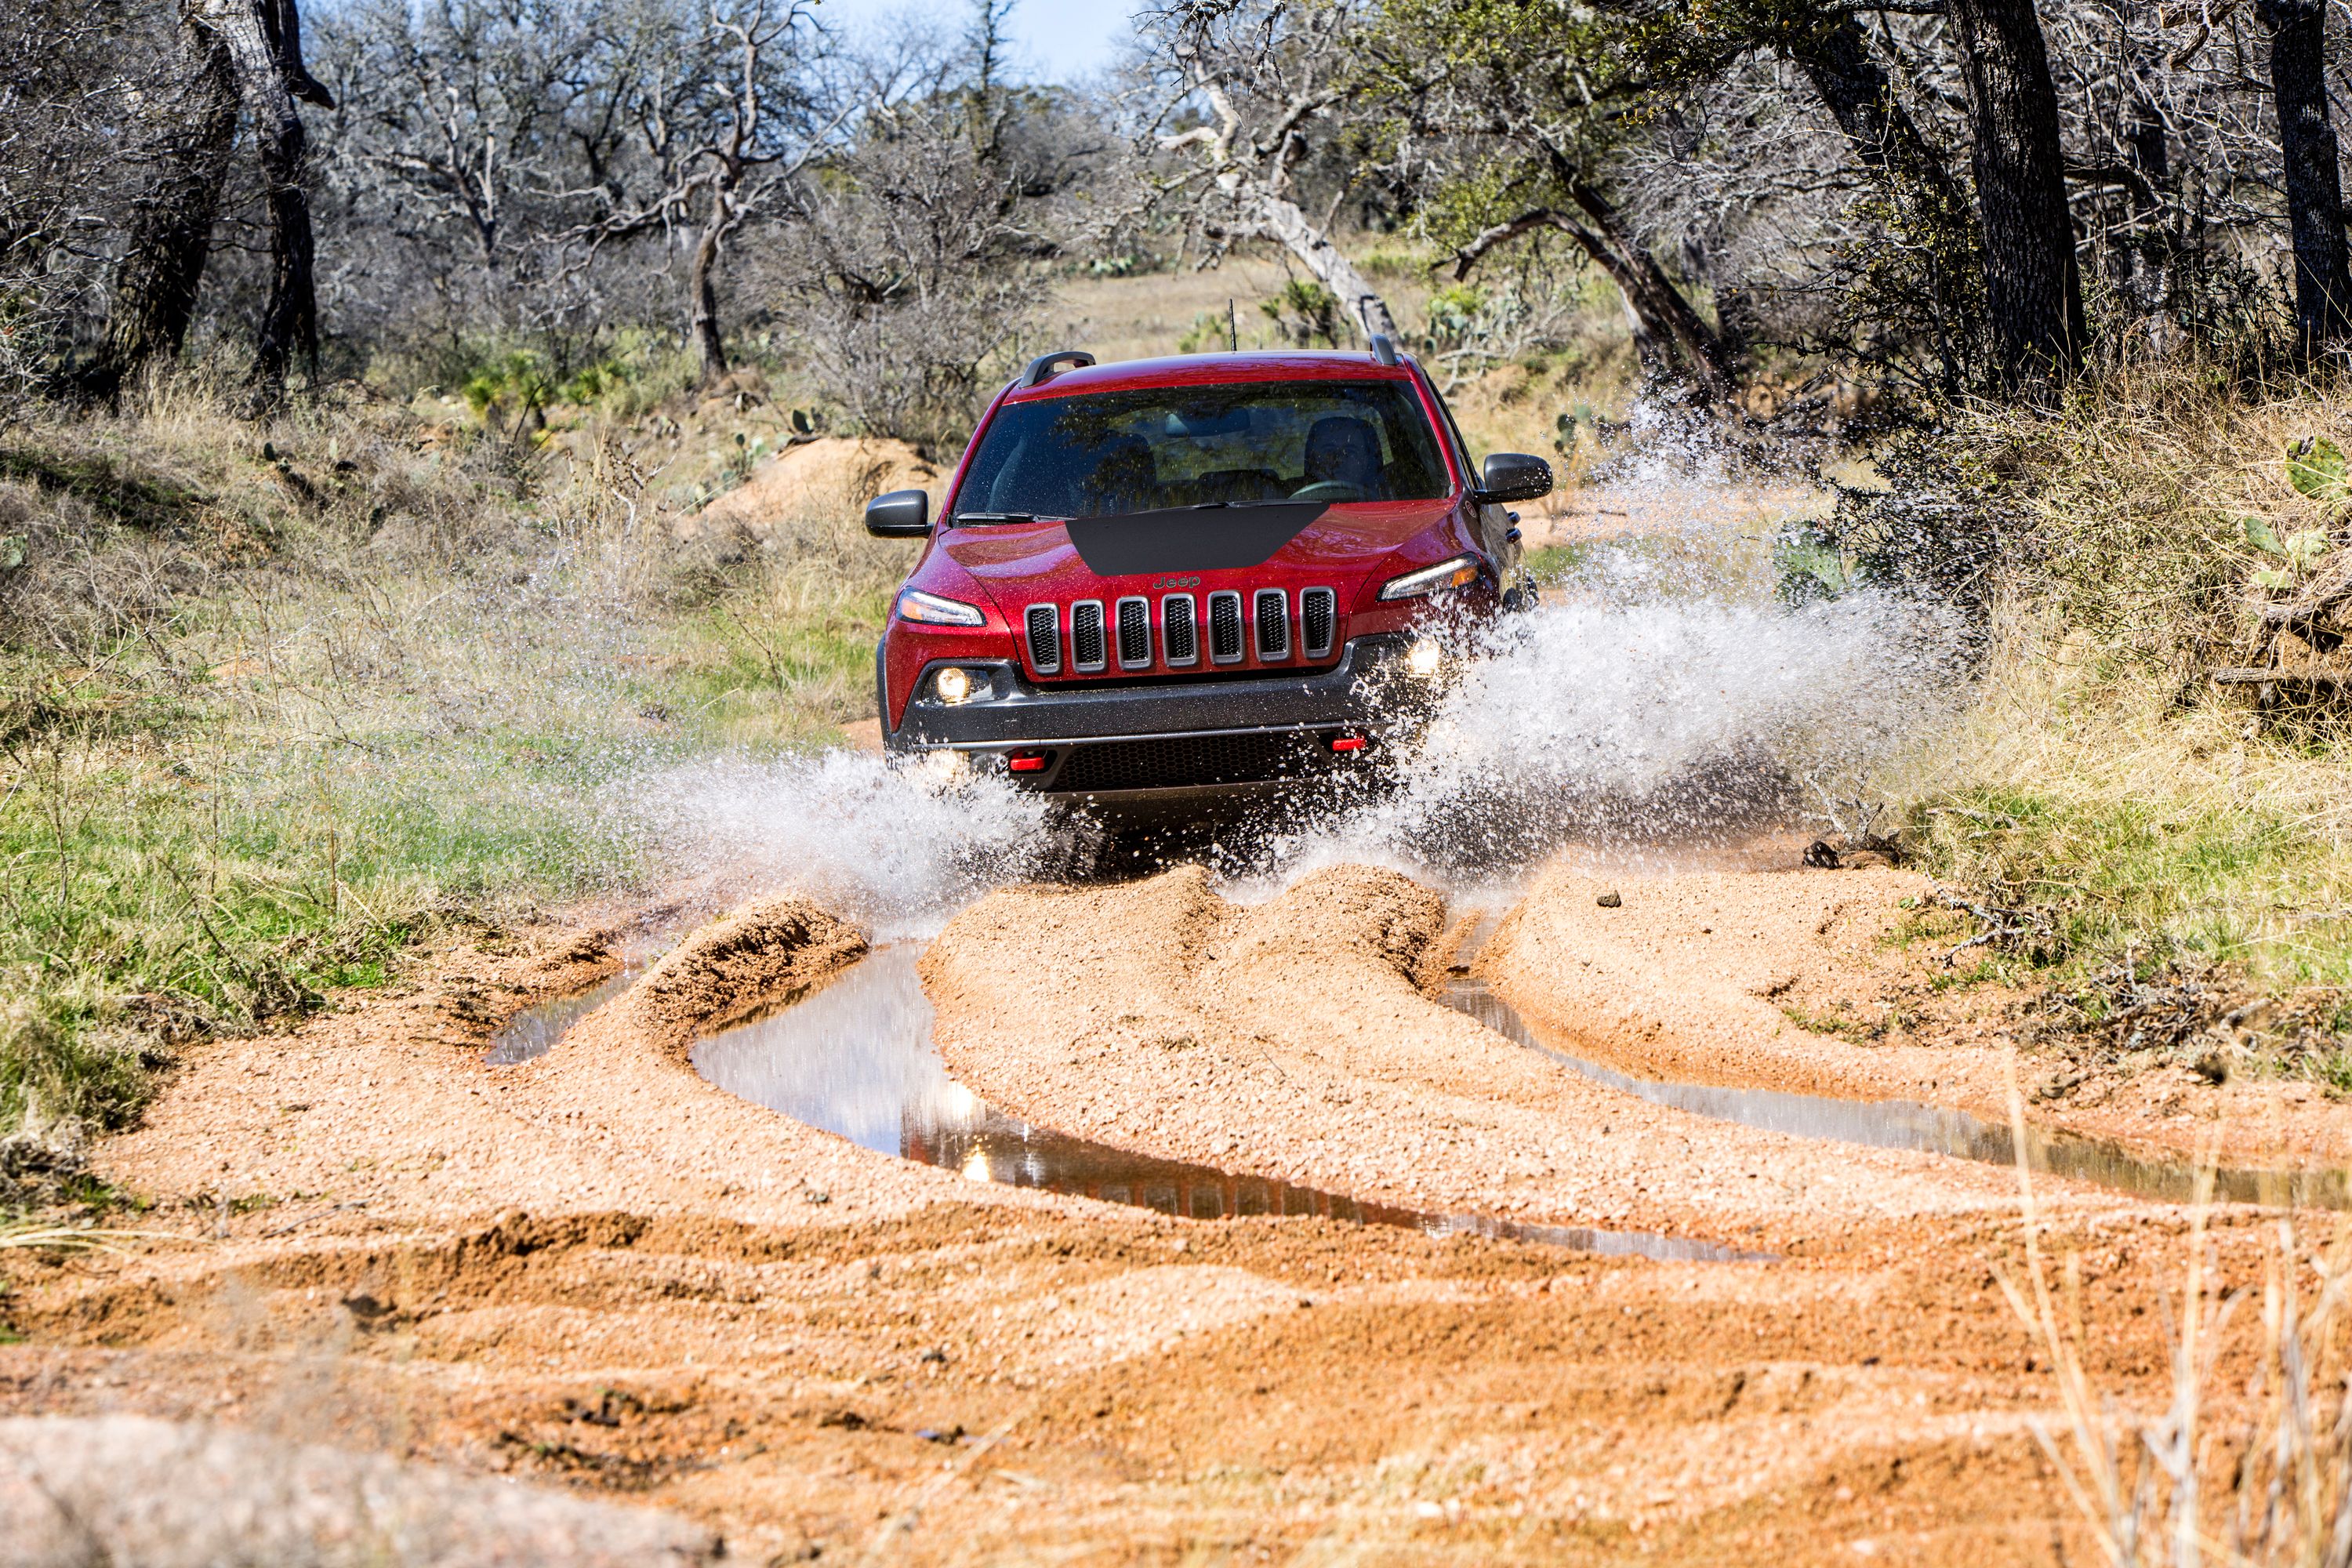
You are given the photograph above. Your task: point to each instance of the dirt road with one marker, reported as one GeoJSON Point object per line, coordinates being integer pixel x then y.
{"type": "Point", "coordinates": [596, 1271]}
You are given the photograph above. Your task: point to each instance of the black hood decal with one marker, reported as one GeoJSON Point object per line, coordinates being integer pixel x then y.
{"type": "Point", "coordinates": [1190, 539]}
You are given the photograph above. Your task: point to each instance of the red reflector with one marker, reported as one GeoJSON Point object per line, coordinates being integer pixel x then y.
{"type": "Point", "coordinates": [1346, 742]}
{"type": "Point", "coordinates": [1026, 762]}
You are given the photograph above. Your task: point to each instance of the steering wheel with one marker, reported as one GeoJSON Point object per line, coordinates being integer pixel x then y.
{"type": "Point", "coordinates": [1329, 491]}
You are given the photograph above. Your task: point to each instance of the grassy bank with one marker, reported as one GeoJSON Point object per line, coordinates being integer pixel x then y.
{"type": "Point", "coordinates": [2135, 819]}
{"type": "Point", "coordinates": [282, 702]}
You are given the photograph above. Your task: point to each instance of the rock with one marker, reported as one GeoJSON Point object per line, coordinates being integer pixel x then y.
{"type": "Point", "coordinates": [2057, 1084]}
{"type": "Point", "coordinates": [1821, 857]}
{"type": "Point", "coordinates": [160, 1494]}
{"type": "Point", "coordinates": [1610, 900]}
{"type": "Point", "coordinates": [833, 477]}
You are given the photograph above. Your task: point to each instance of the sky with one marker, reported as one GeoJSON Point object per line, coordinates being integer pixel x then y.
{"type": "Point", "coordinates": [1057, 40]}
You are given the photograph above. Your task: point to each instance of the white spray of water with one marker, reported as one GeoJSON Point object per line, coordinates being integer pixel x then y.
{"type": "Point", "coordinates": [1646, 722]}
{"type": "Point", "coordinates": [885, 845]}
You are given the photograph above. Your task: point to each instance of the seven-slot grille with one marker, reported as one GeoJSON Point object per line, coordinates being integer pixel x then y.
{"type": "Point", "coordinates": [1270, 612]}
{"type": "Point", "coordinates": [1318, 621]}
{"type": "Point", "coordinates": [1125, 631]}
{"type": "Point", "coordinates": [1225, 628]}
{"type": "Point", "coordinates": [1135, 634]}
{"type": "Point", "coordinates": [1044, 639]}
{"type": "Point", "coordinates": [1088, 650]}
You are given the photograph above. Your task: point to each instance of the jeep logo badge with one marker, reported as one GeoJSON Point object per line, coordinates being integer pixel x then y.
{"type": "Point", "coordinates": [1192, 581]}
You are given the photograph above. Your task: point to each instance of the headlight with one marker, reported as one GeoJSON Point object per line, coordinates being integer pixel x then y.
{"type": "Point", "coordinates": [914, 605]}
{"type": "Point", "coordinates": [1423, 658]}
{"type": "Point", "coordinates": [1451, 573]}
{"type": "Point", "coordinates": [952, 684]}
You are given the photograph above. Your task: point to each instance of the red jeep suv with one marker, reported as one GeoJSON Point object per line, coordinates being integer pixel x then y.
{"type": "Point", "coordinates": [1205, 575]}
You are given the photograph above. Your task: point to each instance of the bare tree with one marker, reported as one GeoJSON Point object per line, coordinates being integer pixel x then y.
{"type": "Point", "coordinates": [190, 134]}
{"type": "Point", "coordinates": [910, 260]}
{"type": "Point", "coordinates": [727, 136]}
{"type": "Point", "coordinates": [1268, 74]}
{"type": "Point", "coordinates": [2033, 291]}
{"type": "Point", "coordinates": [264, 42]}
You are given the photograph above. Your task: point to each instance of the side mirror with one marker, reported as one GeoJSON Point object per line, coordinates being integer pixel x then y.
{"type": "Point", "coordinates": [1514, 475]}
{"type": "Point", "coordinates": [906, 514]}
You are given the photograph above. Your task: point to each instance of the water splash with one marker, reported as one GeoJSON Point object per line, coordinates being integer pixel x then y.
{"type": "Point", "coordinates": [888, 845]}
{"type": "Point", "coordinates": [1633, 719]}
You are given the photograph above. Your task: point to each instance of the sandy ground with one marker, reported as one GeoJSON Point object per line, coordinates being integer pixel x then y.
{"type": "Point", "coordinates": [1833, 983]}
{"type": "Point", "coordinates": [595, 1271]}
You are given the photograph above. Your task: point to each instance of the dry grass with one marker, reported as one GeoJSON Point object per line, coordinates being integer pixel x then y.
{"type": "Point", "coordinates": [275, 714]}
{"type": "Point", "coordinates": [2257, 1475]}
{"type": "Point", "coordinates": [2101, 783]}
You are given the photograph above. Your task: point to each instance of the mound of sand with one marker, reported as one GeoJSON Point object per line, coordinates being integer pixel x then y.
{"type": "Point", "coordinates": [728, 968]}
{"type": "Point", "coordinates": [833, 475]}
{"type": "Point", "coordinates": [136, 1493]}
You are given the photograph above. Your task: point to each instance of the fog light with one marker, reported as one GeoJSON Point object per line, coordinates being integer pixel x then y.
{"type": "Point", "coordinates": [947, 767]}
{"type": "Point", "coordinates": [1423, 658]}
{"type": "Point", "coordinates": [952, 684]}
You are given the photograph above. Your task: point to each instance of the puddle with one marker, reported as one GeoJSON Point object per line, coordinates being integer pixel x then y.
{"type": "Point", "coordinates": [534, 1031]}
{"type": "Point", "coordinates": [1908, 1124]}
{"type": "Point", "coordinates": [856, 1058]}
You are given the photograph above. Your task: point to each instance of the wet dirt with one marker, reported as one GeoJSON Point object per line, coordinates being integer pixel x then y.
{"type": "Point", "coordinates": [857, 1058]}
{"type": "Point", "coordinates": [1936, 1130]}
{"type": "Point", "coordinates": [596, 1270]}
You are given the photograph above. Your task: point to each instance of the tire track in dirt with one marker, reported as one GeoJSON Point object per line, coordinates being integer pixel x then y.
{"type": "Point", "coordinates": [1295, 1041]}
{"type": "Point", "coordinates": [1754, 980]}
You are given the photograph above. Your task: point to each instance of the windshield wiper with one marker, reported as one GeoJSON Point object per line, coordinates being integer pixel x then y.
{"type": "Point", "coordinates": [995, 517]}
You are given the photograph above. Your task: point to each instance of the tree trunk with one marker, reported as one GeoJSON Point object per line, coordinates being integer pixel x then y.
{"type": "Point", "coordinates": [2323, 291]}
{"type": "Point", "coordinates": [702, 286]}
{"type": "Point", "coordinates": [1362, 303]}
{"type": "Point", "coordinates": [1862, 99]}
{"type": "Point", "coordinates": [1649, 293]}
{"type": "Point", "coordinates": [2033, 291]}
{"type": "Point", "coordinates": [289, 317]}
{"type": "Point", "coordinates": [171, 227]}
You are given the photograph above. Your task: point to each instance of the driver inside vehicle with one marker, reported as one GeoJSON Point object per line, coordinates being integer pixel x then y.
{"type": "Point", "coordinates": [1342, 455]}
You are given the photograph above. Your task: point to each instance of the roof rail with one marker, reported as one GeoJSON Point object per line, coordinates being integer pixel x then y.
{"type": "Point", "coordinates": [1382, 349]}
{"type": "Point", "coordinates": [1042, 367]}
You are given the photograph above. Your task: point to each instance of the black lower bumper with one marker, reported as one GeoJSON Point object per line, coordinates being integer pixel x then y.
{"type": "Point", "coordinates": [1242, 734]}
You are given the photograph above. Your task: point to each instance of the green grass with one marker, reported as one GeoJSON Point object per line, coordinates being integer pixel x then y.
{"type": "Point", "coordinates": [2155, 876]}
{"type": "Point", "coordinates": [237, 783]}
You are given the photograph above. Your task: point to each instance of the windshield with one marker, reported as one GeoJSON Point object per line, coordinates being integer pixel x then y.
{"type": "Point", "coordinates": [1117, 452]}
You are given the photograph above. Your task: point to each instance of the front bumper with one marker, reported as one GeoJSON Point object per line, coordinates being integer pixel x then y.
{"type": "Point", "coordinates": [1161, 738]}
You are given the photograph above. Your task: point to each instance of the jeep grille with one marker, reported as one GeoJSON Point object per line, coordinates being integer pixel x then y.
{"type": "Point", "coordinates": [1135, 634]}
{"type": "Point", "coordinates": [1044, 639]}
{"type": "Point", "coordinates": [1270, 610]}
{"type": "Point", "coordinates": [1318, 621]}
{"type": "Point", "coordinates": [1225, 628]}
{"type": "Point", "coordinates": [1088, 651]}
{"type": "Point", "coordinates": [1179, 630]}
